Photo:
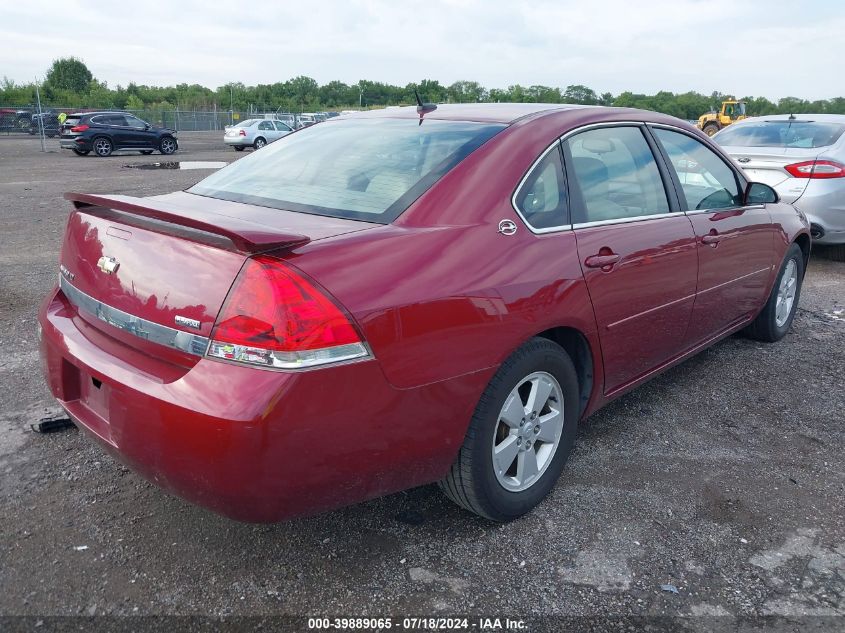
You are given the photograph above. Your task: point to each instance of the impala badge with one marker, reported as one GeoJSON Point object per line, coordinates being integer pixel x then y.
{"type": "Point", "coordinates": [507, 227]}
{"type": "Point", "coordinates": [108, 265]}
{"type": "Point", "coordinates": [181, 320]}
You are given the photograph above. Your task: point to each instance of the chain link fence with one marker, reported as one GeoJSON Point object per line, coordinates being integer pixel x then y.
{"type": "Point", "coordinates": [17, 120]}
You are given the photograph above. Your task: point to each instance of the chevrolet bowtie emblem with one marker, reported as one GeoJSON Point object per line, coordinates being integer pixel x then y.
{"type": "Point", "coordinates": [108, 265]}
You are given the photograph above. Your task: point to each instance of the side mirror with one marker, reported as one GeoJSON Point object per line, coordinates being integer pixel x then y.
{"type": "Point", "coordinates": [760, 193]}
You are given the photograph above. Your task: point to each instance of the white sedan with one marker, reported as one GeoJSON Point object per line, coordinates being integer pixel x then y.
{"type": "Point", "coordinates": [255, 133]}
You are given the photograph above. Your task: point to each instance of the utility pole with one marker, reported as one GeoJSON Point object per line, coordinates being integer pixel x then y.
{"type": "Point", "coordinates": [231, 104]}
{"type": "Point", "coordinates": [360, 96]}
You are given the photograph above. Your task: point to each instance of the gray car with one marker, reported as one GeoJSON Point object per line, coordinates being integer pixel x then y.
{"type": "Point", "coordinates": [255, 133]}
{"type": "Point", "coordinates": [803, 157]}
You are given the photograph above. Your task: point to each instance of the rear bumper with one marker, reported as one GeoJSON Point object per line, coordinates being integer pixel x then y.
{"type": "Point", "coordinates": [237, 141]}
{"type": "Point", "coordinates": [252, 444]}
{"type": "Point", "coordinates": [823, 202]}
{"type": "Point", "coordinates": [78, 142]}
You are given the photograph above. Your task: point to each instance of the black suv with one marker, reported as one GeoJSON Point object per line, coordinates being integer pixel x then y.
{"type": "Point", "coordinates": [107, 132]}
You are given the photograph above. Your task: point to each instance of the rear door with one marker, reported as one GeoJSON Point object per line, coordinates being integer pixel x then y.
{"type": "Point", "coordinates": [267, 131]}
{"type": "Point", "coordinates": [637, 250]}
{"type": "Point", "coordinates": [734, 242]}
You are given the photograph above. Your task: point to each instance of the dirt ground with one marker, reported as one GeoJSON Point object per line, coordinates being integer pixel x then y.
{"type": "Point", "coordinates": [715, 492]}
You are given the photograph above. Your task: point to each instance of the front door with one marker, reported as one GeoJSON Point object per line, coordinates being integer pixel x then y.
{"type": "Point", "coordinates": [734, 241]}
{"type": "Point", "coordinates": [637, 251]}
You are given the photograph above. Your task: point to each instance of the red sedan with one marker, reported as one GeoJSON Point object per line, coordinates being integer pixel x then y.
{"type": "Point", "coordinates": [401, 297]}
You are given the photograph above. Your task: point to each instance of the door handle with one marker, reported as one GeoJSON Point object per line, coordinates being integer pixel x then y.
{"type": "Point", "coordinates": [601, 261]}
{"type": "Point", "coordinates": [711, 239]}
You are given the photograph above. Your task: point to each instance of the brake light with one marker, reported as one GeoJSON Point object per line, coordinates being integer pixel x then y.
{"type": "Point", "coordinates": [79, 128]}
{"type": "Point", "coordinates": [243, 132]}
{"type": "Point", "coordinates": [817, 169]}
{"type": "Point", "coordinates": [274, 317]}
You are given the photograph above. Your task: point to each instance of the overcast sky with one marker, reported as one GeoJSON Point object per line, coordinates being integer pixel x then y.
{"type": "Point", "coordinates": [771, 48]}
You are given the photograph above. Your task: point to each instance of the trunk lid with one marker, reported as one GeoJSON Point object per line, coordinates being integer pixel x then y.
{"type": "Point", "coordinates": [170, 260]}
{"type": "Point", "coordinates": [768, 165]}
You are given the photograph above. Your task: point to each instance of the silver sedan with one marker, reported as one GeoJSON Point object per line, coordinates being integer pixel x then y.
{"type": "Point", "coordinates": [803, 157]}
{"type": "Point", "coordinates": [255, 133]}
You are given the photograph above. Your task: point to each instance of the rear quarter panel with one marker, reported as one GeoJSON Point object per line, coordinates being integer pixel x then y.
{"type": "Point", "coordinates": [441, 292]}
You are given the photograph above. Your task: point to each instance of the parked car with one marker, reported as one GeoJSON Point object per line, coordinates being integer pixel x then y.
{"type": "Point", "coordinates": [107, 132]}
{"type": "Point", "coordinates": [401, 297]}
{"type": "Point", "coordinates": [49, 121]}
{"type": "Point", "coordinates": [802, 157]}
{"type": "Point", "coordinates": [255, 133]}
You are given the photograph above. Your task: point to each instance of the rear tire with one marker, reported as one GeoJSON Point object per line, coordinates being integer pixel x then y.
{"type": "Point", "coordinates": [259, 143]}
{"type": "Point", "coordinates": [774, 320]}
{"type": "Point", "coordinates": [507, 421]}
{"type": "Point", "coordinates": [710, 129]}
{"type": "Point", "coordinates": [238, 148]}
{"type": "Point", "coordinates": [103, 146]}
{"type": "Point", "coordinates": [82, 152]}
{"type": "Point", "coordinates": [146, 152]}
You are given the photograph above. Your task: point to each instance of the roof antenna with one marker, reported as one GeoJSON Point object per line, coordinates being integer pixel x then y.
{"type": "Point", "coordinates": [422, 108]}
{"type": "Point", "coordinates": [791, 117]}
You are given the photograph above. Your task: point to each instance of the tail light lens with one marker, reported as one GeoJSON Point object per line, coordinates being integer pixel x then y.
{"type": "Point", "coordinates": [817, 169]}
{"type": "Point", "coordinates": [79, 128]}
{"type": "Point", "coordinates": [243, 132]}
{"type": "Point", "coordinates": [274, 317]}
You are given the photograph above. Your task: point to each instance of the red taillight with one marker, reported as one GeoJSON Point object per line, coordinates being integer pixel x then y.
{"type": "Point", "coordinates": [79, 128]}
{"type": "Point", "coordinates": [817, 169]}
{"type": "Point", "coordinates": [274, 317]}
{"type": "Point", "coordinates": [243, 132]}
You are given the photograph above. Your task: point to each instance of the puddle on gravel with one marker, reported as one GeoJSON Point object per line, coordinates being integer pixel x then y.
{"type": "Point", "coordinates": [180, 164]}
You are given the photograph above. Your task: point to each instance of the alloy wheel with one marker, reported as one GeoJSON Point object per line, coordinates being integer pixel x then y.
{"type": "Point", "coordinates": [102, 146]}
{"type": "Point", "coordinates": [167, 146]}
{"type": "Point", "coordinates": [786, 293]}
{"type": "Point", "coordinates": [528, 431]}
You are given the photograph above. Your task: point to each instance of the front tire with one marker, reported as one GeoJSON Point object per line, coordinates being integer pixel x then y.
{"type": "Point", "coordinates": [711, 129]}
{"type": "Point", "coordinates": [103, 146]}
{"type": "Point", "coordinates": [520, 435]}
{"type": "Point", "coordinates": [167, 145]}
{"type": "Point", "coordinates": [774, 320]}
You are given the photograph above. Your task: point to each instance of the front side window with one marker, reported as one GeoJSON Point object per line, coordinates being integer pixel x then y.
{"type": "Point", "coordinates": [706, 180]}
{"type": "Point", "coordinates": [364, 169]}
{"type": "Point", "coordinates": [614, 175]}
{"type": "Point", "coordinates": [135, 122]}
{"type": "Point", "coordinates": [542, 197]}
{"type": "Point", "coordinates": [281, 127]}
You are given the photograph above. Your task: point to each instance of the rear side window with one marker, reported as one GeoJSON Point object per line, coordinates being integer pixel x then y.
{"type": "Point", "coordinates": [706, 180]}
{"type": "Point", "coordinates": [541, 199]}
{"type": "Point", "coordinates": [364, 169]}
{"type": "Point", "coordinates": [615, 175]}
{"type": "Point", "coordinates": [265, 125]}
{"type": "Point", "coordinates": [800, 134]}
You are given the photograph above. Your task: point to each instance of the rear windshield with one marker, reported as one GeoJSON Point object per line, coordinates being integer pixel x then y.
{"type": "Point", "coordinates": [369, 169]}
{"type": "Point", "coordinates": [781, 134]}
{"type": "Point", "coordinates": [72, 120]}
{"type": "Point", "coordinates": [246, 123]}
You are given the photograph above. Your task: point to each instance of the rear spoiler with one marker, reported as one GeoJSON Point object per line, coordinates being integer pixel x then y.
{"type": "Point", "coordinates": [224, 231]}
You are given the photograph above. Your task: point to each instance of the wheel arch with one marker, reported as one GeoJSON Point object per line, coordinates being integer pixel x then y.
{"type": "Point", "coordinates": [576, 344]}
{"type": "Point", "coordinates": [805, 244]}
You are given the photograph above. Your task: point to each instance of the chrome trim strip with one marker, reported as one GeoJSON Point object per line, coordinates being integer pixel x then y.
{"type": "Point", "coordinates": [649, 311]}
{"type": "Point", "coordinates": [736, 279]}
{"type": "Point", "coordinates": [634, 218]}
{"type": "Point", "coordinates": [725, 209]}
{"type": "Point", "coordinates": [142, 328]}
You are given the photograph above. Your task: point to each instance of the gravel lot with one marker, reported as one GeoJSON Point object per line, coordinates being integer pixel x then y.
{"type": "Point", "coordinates": [723, 478]}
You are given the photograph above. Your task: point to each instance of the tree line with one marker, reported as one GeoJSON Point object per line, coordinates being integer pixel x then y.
{"type": "Point", "coordinates": [70, 84]}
